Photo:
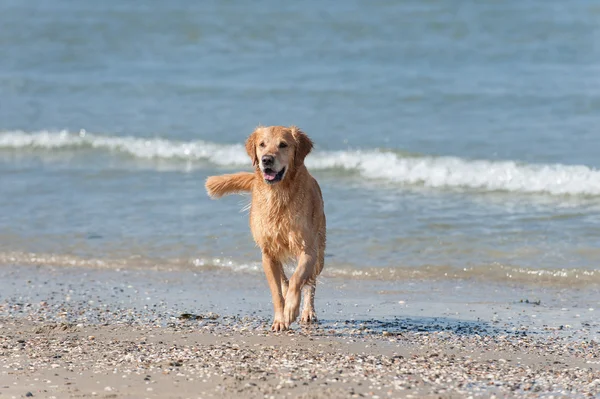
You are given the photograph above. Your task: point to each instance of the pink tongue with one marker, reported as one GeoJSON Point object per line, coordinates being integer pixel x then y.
{"type": "Point", "coordinates": [269, 175]}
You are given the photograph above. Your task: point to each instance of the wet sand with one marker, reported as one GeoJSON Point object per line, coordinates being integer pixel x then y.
{"type": "Point", "coordinates": [68, 332]}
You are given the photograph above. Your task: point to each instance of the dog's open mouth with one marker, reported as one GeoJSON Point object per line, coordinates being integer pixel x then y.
{"type": "Point", "coordinates": [271, 176]}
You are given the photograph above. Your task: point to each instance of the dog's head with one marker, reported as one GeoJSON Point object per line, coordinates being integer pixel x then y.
{"type": "Point", "coordinates": [277, 150]}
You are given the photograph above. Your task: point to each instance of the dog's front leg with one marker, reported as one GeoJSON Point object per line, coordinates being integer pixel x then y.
{"type": "Point", "coordinates": [274, 273]}
{"type": "Point", "coordinates": [304, 272]}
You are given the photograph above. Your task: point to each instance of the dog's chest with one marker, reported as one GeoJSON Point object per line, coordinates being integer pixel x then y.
{"type": "Point", "coordinates": [277, 234]}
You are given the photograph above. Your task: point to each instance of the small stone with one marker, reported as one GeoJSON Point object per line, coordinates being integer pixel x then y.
{"type": "Point", "coordinates": [29, 394]}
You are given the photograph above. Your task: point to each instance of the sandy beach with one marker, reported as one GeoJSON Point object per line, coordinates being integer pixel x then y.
{"type": "Point", "coordinates": [63, 333]}
{"type": "Point", "coordinates": [201, 360]}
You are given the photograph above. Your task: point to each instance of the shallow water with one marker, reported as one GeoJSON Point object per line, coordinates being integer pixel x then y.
{"type": "Point", "coordinates": [452, 141]}
{"type": "Point", "coordinates": [82, 295]}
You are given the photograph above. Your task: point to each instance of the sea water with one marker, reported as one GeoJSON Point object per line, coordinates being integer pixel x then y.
{"type": "Point", "coordinates": [452, 140]}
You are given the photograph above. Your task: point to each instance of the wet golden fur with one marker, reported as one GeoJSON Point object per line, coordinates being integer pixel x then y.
{"type": "Point", "coordinates": [287, 218]}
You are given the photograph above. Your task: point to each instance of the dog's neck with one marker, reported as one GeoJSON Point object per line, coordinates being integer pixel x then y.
{"type": "Point", "coordinates": [281, 193]}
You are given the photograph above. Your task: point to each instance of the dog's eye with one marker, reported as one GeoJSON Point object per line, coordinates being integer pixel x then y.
{"type": "Point", "coordinates": [262, 145]}
{"type": "Point", "coordinates": [282, 145]}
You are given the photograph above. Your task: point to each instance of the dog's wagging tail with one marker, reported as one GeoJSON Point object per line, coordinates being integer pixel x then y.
{"type": "Point", "coordinates": [236, 183]}
{"type": "Point", "coordinates": [287, 217]}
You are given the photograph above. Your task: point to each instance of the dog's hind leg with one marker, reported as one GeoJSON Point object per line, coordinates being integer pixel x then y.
{"type": "Point", "coordinates": [308, 308]}
{"type": "Point", "coordinates": [284, 284]}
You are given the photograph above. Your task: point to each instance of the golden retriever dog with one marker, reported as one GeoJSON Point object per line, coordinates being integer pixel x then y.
{"type": "Point", "coordinates": [287, 218]}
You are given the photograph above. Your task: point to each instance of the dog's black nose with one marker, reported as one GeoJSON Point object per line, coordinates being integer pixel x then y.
{"type": "Point", "coordinates": [267, 160]}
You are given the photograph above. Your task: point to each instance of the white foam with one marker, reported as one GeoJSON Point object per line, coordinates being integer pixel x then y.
{"type": "Point", "coordinates": [491, 272]}
{"type": "Point", "coordinates": [453, 172]}
{"type": "Point", "coordinates": [437, 172]}
{"type": "Point", "coordinates": [138, 147]}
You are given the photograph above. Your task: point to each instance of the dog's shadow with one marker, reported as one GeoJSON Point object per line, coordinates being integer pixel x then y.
{"type": "Point", "coordinates": [409, 325]}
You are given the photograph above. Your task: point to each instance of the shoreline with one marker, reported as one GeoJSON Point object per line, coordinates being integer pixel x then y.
{"type": "Point", "coordinates": [494, 274]}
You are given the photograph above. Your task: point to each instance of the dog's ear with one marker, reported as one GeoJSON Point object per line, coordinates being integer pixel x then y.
{"type": "Point", "coordinates": [251, 148]}
{"type": "Point", "coordinates": [303, 145]}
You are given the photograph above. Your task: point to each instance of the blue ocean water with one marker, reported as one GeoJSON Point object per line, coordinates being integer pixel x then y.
{"type": "Point", "coordinates": [451, 139]}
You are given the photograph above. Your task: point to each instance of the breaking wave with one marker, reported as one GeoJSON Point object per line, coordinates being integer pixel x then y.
{"type": "Point", "coordinates": [371, 164]}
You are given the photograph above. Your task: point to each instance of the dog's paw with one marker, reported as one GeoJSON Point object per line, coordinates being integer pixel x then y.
{"type": "Point", "coordinates": [278, 326]}
{"type": "Point", "coordinates": [309, 317]}
{"type": "Point", "coordinates": [291, 310]}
